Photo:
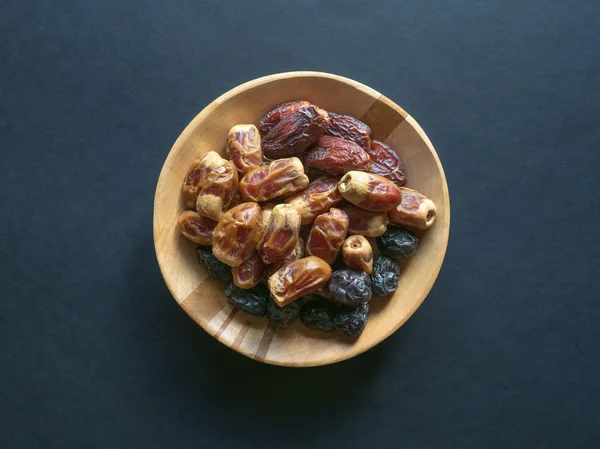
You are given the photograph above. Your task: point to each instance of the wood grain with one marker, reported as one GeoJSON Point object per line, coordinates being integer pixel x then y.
{"type": "Point", "coordinates": [202, 297]}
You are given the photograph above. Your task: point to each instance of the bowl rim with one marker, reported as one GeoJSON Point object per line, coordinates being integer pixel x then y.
{"type": "Point", "coordinates": [206, 111]}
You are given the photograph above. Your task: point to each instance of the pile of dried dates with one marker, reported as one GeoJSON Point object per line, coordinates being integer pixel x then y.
{"type": "Point", "coordinates": [305, 219]}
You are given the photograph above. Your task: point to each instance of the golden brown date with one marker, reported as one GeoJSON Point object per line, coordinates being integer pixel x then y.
{"type": "Point", "coordinates": [243, 147]}
{"type": "Point", "coordinates": [363, 222]}
{"type": "Point", "coordinates": [349, 128]}
{"type": "Point", "coordinates": [217, 190]}
{"type": "Point", "coordinates": [369, 191]}
{"type": "Point", "coordinates": [267, 210]}
{"type": "Point", "coordinates": [297, 253]}
{"type": "Point", "coordinates": [249, 273]}
{"type": "Point", "coordinates": [196, 174]}
{"type": "Point", "coordinates": [327, 235]}
{"type": "Point", "coordinates": [274, 116]}
{"type": "Point", "coordinates": [386, 163]}
{"type": "Point", "coordinates": [318, 197]}
{"type": "Point", "coordinates": [281, 234]}
{"type": "Point", "coordinates": [237, 233]}
{"type": "Point", "coordinates": [295, 132]}
{"type": "Point", "coordinates": [415, 210]}
{"type": "Point", "coordinates": [297, 279]}
{"type": "Point", "coordinates": [357, 254]}
{"type": "Point", "coordinates": [278, 179]}
{"type": "Point", "coordinates": [196, 228]}
{"type": "Point", "coordinates": [336, 156]}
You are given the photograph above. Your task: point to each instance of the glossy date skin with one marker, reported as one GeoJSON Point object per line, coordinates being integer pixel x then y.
{"type": "Point", "coordinates": [279, 179]}
{"type": "Point", "coordinates": [297, 253]}
{"type": "Point", "coordinates": [386, 163]}
{"type": "Point", "coordinates": [249, 273]}
{"type": "Point", "coordinates": [196, 228]}
{"type": "Point", "coordinates": [370, 191]}
{"type": "Point", "coordinates": [196, 174]}
{"type": "Point", "coordinates": [296, 132]}
{"type": "Point", "coordinates": [336, 156]}
{"type": "Point", "coordinates": [217, 190]}
{"type": "Point", "coordinates": [317, 198]}
{"type": "Point", "coordinates": [281, 234]}
{"type": "Point", "coordinates": [415, 210]}
{"type": "Point", "coordinates": [243, 147]}
{"type": "Point", "coordinates": [297, 279]}
{"type": "Point", "coordinates": [357, 254]}
{"type": "Point", "coordinates": [237, 234]}
{"type": "Point", "coordinates": [363, 222]}
{"type": "Point", "coordinates": [327, 235]}
{"type": "Point", "coordinates": [349, 128]}
{"type": "Point", "coordinates": [274, 116]}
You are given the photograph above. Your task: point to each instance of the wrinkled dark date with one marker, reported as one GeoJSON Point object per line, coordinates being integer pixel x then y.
{"type": "Point", "coordinates": [369, 191]}
{"type": "Point", "coordinates": [217, 190]}
{"type": "Point", "coordinates": [253, 300]}
{"type": "Point", "coordinates": [415, 210]}
{"type": "Point", "coordinates": [327, 235]}
{"type": "Point", "coordinates": [249, 273]}
{"type": "Point", "coordinates": [386, 163]}
{"type": "Point", "coordinates": [295, 132]}
{"type": "Point", "coordinates": [385, 276]}
{"type": "Point", "coordinates": [196, 174]}
{"type": "Point", "coordinates": [237, 234]}
{"type": "Point", "coordinates": [281, 234]}
{"type": "Point", "coordinates": [398, 242]}
{"type": "Point", "coordinates": [336, 156]}
{"type": "Point", "coordinates": [243, 146]}
{"type": "Point", "coordinates": [369, 224]}
{"type": "Point", "coordinates": [213, 266]}
{"type": "Point", "coordinates": [278, 179]}
{"type": "Point", "coordinates": [274, 116]}
{"type": "Point", "coordinates": [357, 254]}
{"type": "Point", "coordinates": [281, 317]}
{"type": "Point", "coordinates": [196, 228]}
{"type": "Point", "coordinates": [351, 320]}
{"type": "Point", "coordinates": [318, 197]}
{"type": "Point", "coordinates": [297, 279]}
{"type": "Point", "coordinates": [349, 128]}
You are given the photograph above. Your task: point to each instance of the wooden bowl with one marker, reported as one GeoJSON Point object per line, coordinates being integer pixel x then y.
{"type": "Point", "coordinates": [202, 297]}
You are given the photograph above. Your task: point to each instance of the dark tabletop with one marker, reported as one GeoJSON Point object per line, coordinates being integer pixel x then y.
{"type": "Point", "coordinates": [94, 352]}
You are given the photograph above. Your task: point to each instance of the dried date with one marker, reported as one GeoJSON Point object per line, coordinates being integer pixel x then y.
{"type": "Point", "coordinates": [398, 242]}
{"type": "Point", "coordinates": [385, 276]}
{"type": "Point", "coordinates": [386, 163]}
{"type": "Point", "coordinates": [317, 198]}
{"type": "Point", "coordinates": [237, 234]}
{"type": "Point", "coordinates": [196, 174]}
{"type": "Point", "coordinates": [415, 210]}
{"type": "Point", "coordinates": [280, 317]}
{"type": "Point", "coordinates": [281, 234]}
{"type": "Point", "coordinates": [249, 273]}
{"type": "Point", "coordinates": [362, 222]}
{"type": "Point", "coordinates": [357, 254]}
{"type": "Point", "coordinates": [274, 116]}
{"type": "Point", "coordinates": [297, 253]}
{"type": "Point", "coordinates": [243, 147]}
{"type": "Point", "coordinates": [318, 315]}
{"type": "Point", "coordinates": [217, 190]}
{"type": "Point", "coordinates": [297, 279]}
{"type": "Point", "coordinates": [349, 128]}
{"type": "Point", "coordinates": [213, 266]}
{"type": "Point", "coordinates": [350, 287]}
{"type": "Point", "coordinates": [336, 156]}
{"type": "Point", "coordinates": [280, 178]}
{"type": "Point", "coordinates": [296, 132]}
{"type": "Point", "coordinates": [327, 235]}
{"type": "Point", "coordinates": [253, 301]}
{"type": "Point", "coordinates": [369, 191]}
{"type": "Point", "coordinates": [196, 228]}
{"type": "Point", "coordinates": [351, 321]}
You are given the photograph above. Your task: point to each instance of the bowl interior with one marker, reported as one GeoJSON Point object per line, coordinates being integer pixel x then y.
{"type": "Point", "coordinates": [202, 297]}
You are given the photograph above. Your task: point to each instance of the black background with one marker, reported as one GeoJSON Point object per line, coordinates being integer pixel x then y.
{"type": "Point", "coordinates": [94, 352]}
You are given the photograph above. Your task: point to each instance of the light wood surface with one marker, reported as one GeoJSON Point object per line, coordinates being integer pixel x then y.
{"type": "Point", "coordinates": [202, 297]}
